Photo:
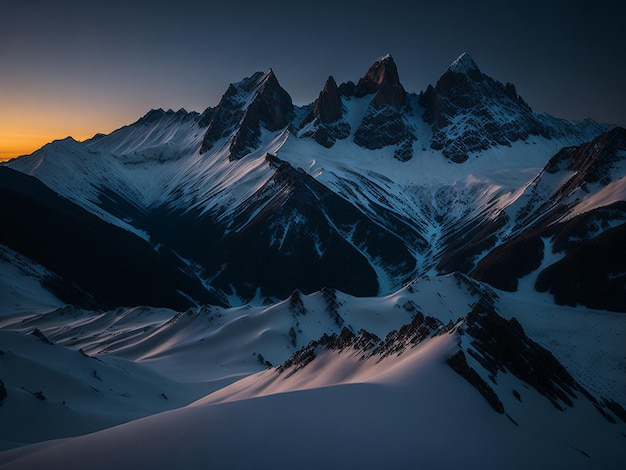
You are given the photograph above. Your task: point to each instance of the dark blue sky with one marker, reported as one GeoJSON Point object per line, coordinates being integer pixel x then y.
{"type": "Point", "coordinates": [79, 67]}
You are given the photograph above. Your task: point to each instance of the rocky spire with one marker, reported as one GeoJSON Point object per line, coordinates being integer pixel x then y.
{"type": "Point", "coordinates": [326, 117]}
{"type": "Point", "coordinates": [466, 98]}
{"type": "Point", "coordinates": [382, 74]}
{"type": "Point", "coordinates": [383, 123]}
{"type": "Point", "coordinates": [464, 64]}
{"type": "Point", "coordinates": [328, 104]}
{"type": "Point", "coordinates": [255, 101]}
{"type": "Point", "coordinates": [382, 79]}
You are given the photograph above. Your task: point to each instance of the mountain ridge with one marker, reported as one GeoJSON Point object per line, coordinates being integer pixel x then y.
{"type": "Point", "coordinates": [183, 179]}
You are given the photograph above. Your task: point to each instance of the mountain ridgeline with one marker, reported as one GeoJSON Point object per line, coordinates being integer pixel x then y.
{"type": "Point", "coordinates": [362, 190]}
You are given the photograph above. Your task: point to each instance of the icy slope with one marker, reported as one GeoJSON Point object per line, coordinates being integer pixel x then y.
{"type": "Point", "coordinates": [21, 288]}
{"type": "Point", "coordinates": [53, 391]}
{"type": "Point", "coordinates": [339, 410]}
{"type": "Point", "coordinates": [157, 136]}
{"type": "Point", "coordinates": [216, 344]}
{"type": "Point", "coordinates": [211, 349]}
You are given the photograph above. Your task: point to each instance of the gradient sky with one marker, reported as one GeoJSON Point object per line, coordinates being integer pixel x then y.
{"type": "Point", "coordinates": [81, 67]}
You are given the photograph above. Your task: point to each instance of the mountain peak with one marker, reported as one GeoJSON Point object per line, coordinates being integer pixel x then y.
{"type": "Point", "coordinates": [328, 104]}
{"type": "Point", "coordinates": [382, 73]}
{"type": "Point", "coordinates": [256, 101]}
{"type": "Point", "coordinates": [326, 117]}
{"type": "Point", "coordinates": [464, 64]}
{"type": "Point", "coordinates": [269, 75]}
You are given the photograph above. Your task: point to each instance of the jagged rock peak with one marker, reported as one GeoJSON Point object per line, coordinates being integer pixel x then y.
{"type": "Point", "coordinates": [383, 123]}
{"type": "Point", "coordinates": [324, 123]}
{"type": "Point", "coordinates": [382, 74]}
{"type": "Point", "coordinates": [269, 77]}
{"type": "Point", "coordinates": [328, 104]}
{"type": "Point", "coordinates": [152, 115]}
{"type": "Point", "coordinates": [464, 64]}
{"type": "Point", "coordinates": [256, 81]}
{"type": "Point", "coordinates": [258, 100]}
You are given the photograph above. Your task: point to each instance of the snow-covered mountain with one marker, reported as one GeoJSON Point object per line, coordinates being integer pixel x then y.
{"type": "Point", "coordinates": [355, 191]}
{"type": "Point", "coordinates": [371, 279]}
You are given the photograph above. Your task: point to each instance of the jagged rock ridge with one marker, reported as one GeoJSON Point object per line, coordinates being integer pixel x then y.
{"type": "Point", "coordinates": [494, 346]}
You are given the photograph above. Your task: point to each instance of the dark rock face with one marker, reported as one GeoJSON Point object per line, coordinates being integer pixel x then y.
{"type": "Point", "coordinates": [502, 346]}
{"type": "Point", "coordinates": [591, 274]}
{"type": "Point", "coordinates": [205, 117]}
{"type": "Point", "coordinates": [368, 345]}
{"type": "Point", "coordinates": [383, 123]}
{"type": "Point", "coordinates": [465, 109]}
{"type": "Point", "coordinates": [328, 105]}
{"type": "Point", "coordinates": [3, 392]}
{"type": "Point", "coordinates": [592, 162]}
{"type": "Point", "coordinates": [293, 233]}
{"type": "Point", "coordinates": [383, 74]}
{"type": "Point", "coordinates": [507, 263]}
{"type": "Point", "coordinates": [347, 89]}
{"type": "Point", "coordinates": [255, 102]}
{"type": "Point", "coordinates": [324, 122]}
{"type": "Point", "coordinates": [459, 364]}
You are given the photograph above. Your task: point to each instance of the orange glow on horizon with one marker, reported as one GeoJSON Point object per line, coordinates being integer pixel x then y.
{"type": "Point", "coordinates": [23, 131]}
{"type": "Point", "coordinates": [30, 120]}
{"type": "Point", "coordinates": [16, 145]}
{"type": "Point", "coordinates": [20, 138]}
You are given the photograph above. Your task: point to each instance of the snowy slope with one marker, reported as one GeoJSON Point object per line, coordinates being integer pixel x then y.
{"type": "Point", "coordinates": [226, 350]}
{"type": "Point", "coordinates": [53, 391]}
{"type": "Point", "coordinates": [339, 410]}
{"type": "Point", "coordinates": [216, 344]}
{"type": "Point", "coordinates": [21, 287]}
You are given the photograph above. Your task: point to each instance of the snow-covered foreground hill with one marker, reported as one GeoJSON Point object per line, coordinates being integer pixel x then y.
{"type": "Point", "coordinates": [341, 401]}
